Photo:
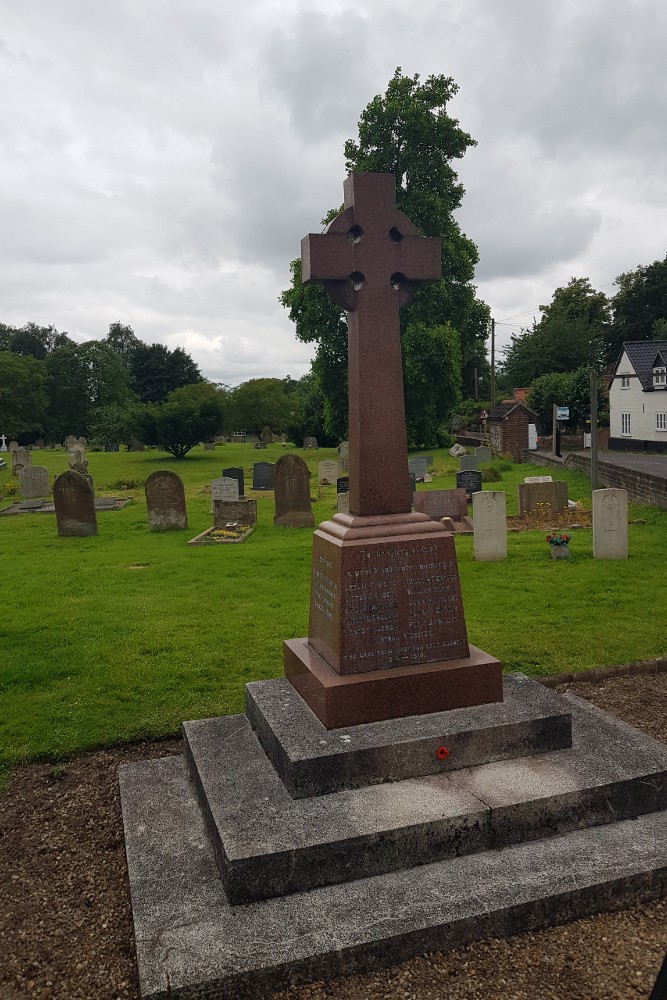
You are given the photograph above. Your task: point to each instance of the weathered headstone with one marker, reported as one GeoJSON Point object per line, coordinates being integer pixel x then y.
{"type": "Point", "coordinates": [209, 445]}
{"type": "Point", "coordinates": [13, 445]}
{"type": "Point", "coordinates": [20, 458]}
{"type": "Point", "coordinates": [34, 481]}
{"type": "Point", "coordinates": [343, 484]}
{"type": "Point", "coordinates": [489, 511]}
{"type": "Point", "coordinates": [165, 501]}
{"type": "Point", "coordinates": [292, 493]}
{"type": "Point", "coordinates": [542, 498]}
{"type": "Point", "coordinates": [266, 436]}
{"type": "Point", "coordinates": [262, 475]}
{"type": "Point", "coordinates": [457, 450]}
{"type": "Point", "coordinates": [241, 511]}
{"type": "Point", "coordinates": [327, 472]}
{"type": "Point", "coordinates": [610, 524]}
{"type": "Point", "coordinates": [470, 481]}
{"type": "Point", "coordinates": [437, 504]}
{"type": "Point", "coordinates": [78, 461]}
{"type": "Point", "coordinates": [69, 442]}
{"type": "Point", "coordinates": [236, 472]}
{"type": "Point", "coordinates": [225, 488]}
{"type": "Point", "coordinates": [310, 442]}
{"type": "Point", "coordinates": [418, 465]}
{"type": "Point", "coordinates": [344, 457]}
{"type": "Point", "coordinates": [468, 463]}
{"type": "Point", "coordinates": [483, 454]}
{"type": "Point", "coordinates": [75, 505]}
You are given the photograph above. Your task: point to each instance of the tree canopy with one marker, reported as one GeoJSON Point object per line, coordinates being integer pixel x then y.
{"type": "Point", "coordinates": [23, 395]}
{"type": "Point", "coordinates": [189, 415]}
{"type": "Point", "coordinates": [567, 389]}
{"type": "Point", "coordinates": [408, 132]}
{"type": "Point", "coordinates": [640, 307]}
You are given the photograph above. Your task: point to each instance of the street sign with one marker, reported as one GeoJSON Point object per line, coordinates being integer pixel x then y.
{"type": "Point", "coordinates": [562, 413]}
{"type": "Point", "coordinates": [484, 415]}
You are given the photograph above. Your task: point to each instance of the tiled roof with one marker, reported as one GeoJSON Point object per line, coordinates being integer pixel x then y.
{"type": "Point", "coordinates": [642, 355]}
{"type": "Point", "coordinates": [503, 410]}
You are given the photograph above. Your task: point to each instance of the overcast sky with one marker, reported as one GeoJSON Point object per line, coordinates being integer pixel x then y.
{"type": "Point", "coordinates": [161, 160]}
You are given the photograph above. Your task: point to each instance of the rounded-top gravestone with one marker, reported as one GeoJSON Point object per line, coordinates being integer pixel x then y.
{"type": "Point", "coordinates": [75, 505]}
{"type": "Point", "coordinates": [292, 493]}
{"type": "Point", "coordinates": [165, 501]}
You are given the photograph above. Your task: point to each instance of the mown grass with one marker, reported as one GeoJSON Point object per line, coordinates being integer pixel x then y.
{"type": "Point", "coordinates": [124, 635]}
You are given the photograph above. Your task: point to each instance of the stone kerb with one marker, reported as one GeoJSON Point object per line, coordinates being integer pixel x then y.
{"type": "Point", "coordinates": [610, 524]}
{"type": "Point", "coordinates": [489, 511]}
{"type": "Point", "coordinates": [165, 502]}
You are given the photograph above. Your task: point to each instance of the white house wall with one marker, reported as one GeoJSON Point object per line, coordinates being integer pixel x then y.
{"type": "Point", "coordinates": [642, 406]}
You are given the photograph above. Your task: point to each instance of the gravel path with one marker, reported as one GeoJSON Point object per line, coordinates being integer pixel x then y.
{"type": "Point", "coordinates": [66, 928]}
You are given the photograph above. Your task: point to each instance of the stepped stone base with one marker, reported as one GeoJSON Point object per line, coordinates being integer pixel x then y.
{"type": "Point", "coordinates": [239, 888]}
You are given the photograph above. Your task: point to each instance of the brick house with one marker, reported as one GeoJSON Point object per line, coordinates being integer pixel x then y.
{"type": "Point", "coordinates": [508, 428]}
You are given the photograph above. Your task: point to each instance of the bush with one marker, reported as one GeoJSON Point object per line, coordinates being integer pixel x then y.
{"type": "Point", "coordinates": [490, 473]}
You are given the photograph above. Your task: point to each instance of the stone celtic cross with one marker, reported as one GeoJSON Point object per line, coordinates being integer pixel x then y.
{"type": "Point", "coordinates": [371, 260]}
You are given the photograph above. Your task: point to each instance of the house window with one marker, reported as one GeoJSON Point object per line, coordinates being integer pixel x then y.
{"type": "Point", "coordinates": [625, 381]}
{"type": "Point", "coordinates": [661, 421]}
{"type": "Point", "coordinates": [659, 377]}
{"type": "Point", "coordinates": [625, 424]}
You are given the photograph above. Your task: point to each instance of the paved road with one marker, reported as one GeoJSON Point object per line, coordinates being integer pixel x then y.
{"type": "Point", "coordinates": [655, 465]}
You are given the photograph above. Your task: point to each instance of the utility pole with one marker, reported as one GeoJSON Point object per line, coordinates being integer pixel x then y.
{"type": "Point", "coordinates": [475, 389]}
{"type": "Point", "coordinates": [594, 429]}
{"type": "Point", "coordinates": [554, 430]}
{"type": "Point", "coordinates": [493, 365]}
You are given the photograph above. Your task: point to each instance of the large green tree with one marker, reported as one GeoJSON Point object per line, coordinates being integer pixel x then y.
{"type": "Point", "coordinates": [640, 307]}
{"type": "Point", "coordinates": [570, 334]}
{"type": "Point", "coordinates": [123, 341]}
{"type": "Point", "coordinates": [82, 378]}
{"type": "Point", "coordinates": [157, 371]}
{"type": "Point", "coordinates": [189, 415]}
{"type": "Point", "coordinates": [408, 132]}
{"type": "Point", "coordinates": [258, 403]}
{"type": "Point", "coordinates": [567, 389]}
{"type": "Point", "coordinates": [23, 395]}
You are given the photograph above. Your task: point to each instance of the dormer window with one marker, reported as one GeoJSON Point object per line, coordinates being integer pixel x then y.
{"type": "Point", "coordinates": [659, 378]}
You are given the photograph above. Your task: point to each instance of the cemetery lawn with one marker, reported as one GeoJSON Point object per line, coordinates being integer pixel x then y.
{"type": "Point", "coordinates": [121, 637]}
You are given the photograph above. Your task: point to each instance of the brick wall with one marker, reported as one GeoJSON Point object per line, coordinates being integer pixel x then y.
{"type": "Point", "coordinates": [641, 486]}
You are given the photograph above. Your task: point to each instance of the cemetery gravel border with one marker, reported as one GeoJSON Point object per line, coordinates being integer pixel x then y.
{"type": "Point", "coordinates": [66, 926]}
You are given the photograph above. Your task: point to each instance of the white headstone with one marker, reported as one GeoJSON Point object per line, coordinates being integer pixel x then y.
{"type": "Point", "coordinates": [489, 513]}
{"type": "Point", "coordinates": [224, 488]}
{"type": "Point", "coordinates": [327, 472]}
{"type": "Point", "coordinates": [343, 503]}
{"type": "Point", "coordinates": [3, 446]}
{"type": "Point", "coordinates": [610, 524]}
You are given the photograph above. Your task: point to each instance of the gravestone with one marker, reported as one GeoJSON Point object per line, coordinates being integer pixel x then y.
{"type": "Point", "coordinates": [343, 503]}
{"type": "Point", "coordinates": [327, 472]}
{"type": "Point", "coordinates": [262, 475]}
{"type": "Point", "coordinates": [236, 473]}
{"type": "Point", "coordinates": [69, 442]}
{"type": "Point", "coordinates": [437, 504]}
{"type": "Point", "coordinates": [39, 444]}
{"type": "Point", "coordinates": [224, 489]}
{"type": "Point", "coordinates": [457, 450]}
{"type": "Point", "coordinates": [343, 484]}
{"type": "Point", "coordinates": [429, 460]}
{"type": "Point", "coordinates": [538, 479]}
{"type": "Point", "coordinates": [165, 502]}
{"type": "Point", "coordinates": [3, 442]}
{"type": "Point", "coordinates": [468, 463]}
{"type": "Point", "coordinates": [470, 481]}
{"type": "Point", "coordinates": [34, 481]}
{"type": "Point", "coordinates": [428, 478]}
{"type": "Point", "coordinates": [266, 436]}
{"type": "Point", "coordinates": [111, 447]}
{"type": "Point", "coordinates": [417, 466]}
{"type": "Point", "coordinates": [542, 498]}
{"type": "Point", "coordinates": [292, 493]}
{"type": "Point", "coordinates": [209, 445]}
{"type": "Point", "coordinates": [310, 442]}
{"type": "Point", "coordinates": [78, 461]}
{"type": "Point", "coordinates": [20, 458]}
{"type": "Point", "coordinates": [489, 512]}
{"type": "Point", "coordinates": [75, 505]}
{"type": "Point", "coordinates": [13, 446]}
{"type": "Point", "coordinates": [344, 457]}
{"type": "Point", "coordinates": [610, 524]}
{"type": "Point", "coordinates": [483, 454]}
{"type": "Point", "coordinates": [241, 511]}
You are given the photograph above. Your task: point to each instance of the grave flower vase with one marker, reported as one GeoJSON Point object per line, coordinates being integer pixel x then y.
{"type": "Point", "coordinates": [560, 551]}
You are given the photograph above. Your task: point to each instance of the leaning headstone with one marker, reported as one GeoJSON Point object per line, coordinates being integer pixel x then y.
{"type": "Point", "coordinates": [292, 493]}
{"type": "Point", "coordinates": [442, 503]}
{"type": "Point", "coordinates": [34, 481]}
{"type": "Point", "coordinates": [418, 466]}
{"type": "Point", "coordinates": [545, 498]}
{"type": "Point", "coordinates": [327, 472]}
{"type": "Point", "coordinates": [225, 488]}
{"type": "Point", "coordinates": [310, 442]}
{"type": "Point", "coordinates": [610, 524]}
{"type": "Point", "coordinates": [344, 456]}
{"type": "Point", "coordinates": [483, 454]}
{"type": "Point", "coordinates": [468, 463]}
{"type": "Point", "coordinates": [262, 475]}
{"type": "Point", "coordinates": [489, 511]}
{"type": "Point", "coordinates": [75, 505]}
{"type": "Point", "coordinates": [165, 501]}
{"type": "Point", "coordinates": [20, 458]}
{"type": "Point", "coordinates": [470, 481]}
{"type": "Point", "coordinates": [457, 450]}
{"type": "Point", "coordinates": [236, 473]}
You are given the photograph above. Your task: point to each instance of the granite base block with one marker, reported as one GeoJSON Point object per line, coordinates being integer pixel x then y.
{"type": "Point", "coordinates": [268, 843]}
{"type": "Point", "coordinates": [314, 760]}
{"type": "Point", "coordinates": [191, 943]}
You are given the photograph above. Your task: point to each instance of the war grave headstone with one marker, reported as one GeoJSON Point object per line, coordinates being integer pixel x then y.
{"type": "Point", "coordinates": [292, 493]}
{"type": "Point", "coordinates": [165, 501]}
{"type": "Point", "coordinates": [3, 442]}
{"type": "Point", "coordinates": [469, 480]}
{"type": "Point", "coordinates": [452, 810]}
{"type": "Point", "coordinates": [483, 454]}
{"type": "Point", "coordinates": [610, 524]}
{"type": "Point", "coordinates": [327, 472]}
{"type": "Point", "coordinates": [468, 463]}
{"type": "Point", "coordinates": [263, 475]}
{"type": "Point", "coordinates": [489, 514]}
{"type": "Point", "coordinates": [418, 466]}
{"type": "Point", "coordinates": [344, 457]}
{"type": "Point", "coordinates": [34, 481]}
{"type": "Point", "coordinates": [542, 497]}
{"type": "Point", "coordinates": [75, 505]}
{"type": "Point", "coordinates": [20, 459]}
{"type": "Point", "coordinates": [310, 442]}
{"type": "Point", "coordinates": [235, 472]}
